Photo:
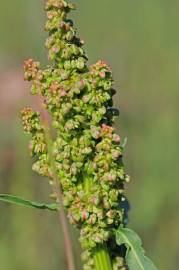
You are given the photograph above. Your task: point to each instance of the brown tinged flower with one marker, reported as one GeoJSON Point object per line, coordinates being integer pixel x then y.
{"type": "Point", "coordinates": [31, 69]}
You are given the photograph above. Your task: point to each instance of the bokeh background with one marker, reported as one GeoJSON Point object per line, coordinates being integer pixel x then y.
{"type": "Point", "coordinates": [140, 41]}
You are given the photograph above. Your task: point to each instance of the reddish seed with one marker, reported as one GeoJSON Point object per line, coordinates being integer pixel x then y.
{"type": "Point", "coordinates": [50, 174]}
{"type": "Point", "coordinates": [85, 99]}
{"type": "Point", "coordinates": [112, 177]}
{"type": "Point", "coordinates": [63, 93]}
{"type": "Point", "coordinates": [107, 129]}
{"type": "Point", "coordinates": [55, 50]}
{"type": "Point", "coordinates": [117, 138]}
{"type": "Point", "coordinates": [82, 83]}
{"type": "Point", "coordinates": [49, 15]}
{"type": "Point", "coordinates": [84, 215]}
{"type": "Point", "coordinates": [102, 74]}
{"type": "Point", "coordinates": [115, 154]}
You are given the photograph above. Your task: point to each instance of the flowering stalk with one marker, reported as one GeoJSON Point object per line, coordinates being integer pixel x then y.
{"type": "Point", "coordinates": [85, 149]}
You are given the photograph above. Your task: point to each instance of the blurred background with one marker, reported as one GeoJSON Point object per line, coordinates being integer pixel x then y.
{"type": "Point", "coordinates": [139, 39]}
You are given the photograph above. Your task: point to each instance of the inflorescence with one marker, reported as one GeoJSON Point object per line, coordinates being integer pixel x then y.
{"type": "Point", "coordinates": [86, 150]}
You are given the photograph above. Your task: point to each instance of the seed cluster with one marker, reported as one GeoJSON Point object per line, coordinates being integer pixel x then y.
{"type": "Point", "coordinates": [86, 149]}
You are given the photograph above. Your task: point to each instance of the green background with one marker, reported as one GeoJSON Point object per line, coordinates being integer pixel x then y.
{"type": "Point", "coordinates": [139, 39]}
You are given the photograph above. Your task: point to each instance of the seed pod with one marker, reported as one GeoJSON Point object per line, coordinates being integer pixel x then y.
{"type": "Point", "coordinates": [95, 200]}
{"type": "Point", "coordinates": [84, 215]}
{"type": "Point", "coordinates": [85, 256]}
{"type": "Point", "coordinates": [67, 65]}
{"type": "Point", "coordinates": [80, 64]}
{"type": "Point", "coordinates": [111, 214]}
{"type": "Point", "coordinates": [116, 138]}
{"type": "Point", "coordinates": [69, 36]}
{"type": "Point", "coordinates": [98, 238]}
{"type": "Point", "coordinates": [115, 154]}
{"type": "Point", "coordinates": [92, 219]}
{"type": "Point", "coordinates": [106, 203]}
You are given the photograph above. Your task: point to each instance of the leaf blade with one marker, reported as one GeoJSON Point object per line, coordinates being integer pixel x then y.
{"type": "Point", "coordinates": [135, 255]}
{"type": "Point", "coordinates": [23, 202]}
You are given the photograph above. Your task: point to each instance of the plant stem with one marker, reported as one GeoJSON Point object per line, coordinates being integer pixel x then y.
{"type": "Point", "coordinates": [102, 258]}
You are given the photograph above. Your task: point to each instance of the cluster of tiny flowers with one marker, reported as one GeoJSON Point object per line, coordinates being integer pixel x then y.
{"type": "Point", "coordinates": [37, 146]}
{"type": "Point", "coordinates": [86, 150]}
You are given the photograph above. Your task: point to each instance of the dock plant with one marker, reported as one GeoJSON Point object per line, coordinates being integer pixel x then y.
{"type": "Point", "coordinates": [75, 146]}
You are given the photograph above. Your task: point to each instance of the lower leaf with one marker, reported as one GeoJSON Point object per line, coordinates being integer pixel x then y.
{"type": "Point", "coordinates": [19, 201]}
{"type": "Point", "coordinates": [135, 254]}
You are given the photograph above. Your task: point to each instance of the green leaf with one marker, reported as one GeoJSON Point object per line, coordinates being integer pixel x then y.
{"type": "Point", "coordinates": [17, 200]}
{"type": "Point", "coordinates": [135, 255]}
